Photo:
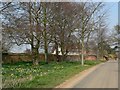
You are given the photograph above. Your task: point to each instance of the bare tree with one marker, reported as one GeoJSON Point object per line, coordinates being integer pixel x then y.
{"type": "Point", "coordinates": [4, 6]}
{"type": "Point", "coordinates": [85, 18]}
{"type": "Point", "coordinates": [24, 26]}
{"type": "Point", "coordinates": [43, 24]}
{"type": "Point", "coordinates": [63, 25]}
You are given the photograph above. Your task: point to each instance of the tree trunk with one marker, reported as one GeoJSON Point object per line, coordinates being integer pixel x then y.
{"type": "Point", "coordinates": [35, 55]}
{"type": "Point", "coordinates": [57, 52]}
{"type": "Point", "coordinates": [63, 52]}
{"type": "Point", "coordinates": [82, 55]}
{"type": "Point", "coordinates": [82, 40]}
{"type": "Point", "coordinates": [45, 35]}
{"type": "Point", "coordinates": [46, 54]}
{"type": "Point", "coordinates": [35, 52]}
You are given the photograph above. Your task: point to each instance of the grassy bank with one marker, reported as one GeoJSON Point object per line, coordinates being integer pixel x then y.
{"type": "Point", "coordinates": [24, 75]}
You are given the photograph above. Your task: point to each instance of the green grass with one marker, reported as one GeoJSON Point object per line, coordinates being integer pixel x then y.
{"type": "Point", "coordinates": [24, 75]}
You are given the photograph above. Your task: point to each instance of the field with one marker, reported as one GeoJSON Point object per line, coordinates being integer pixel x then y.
{"type": "Point", "coordinates": [24, 75]}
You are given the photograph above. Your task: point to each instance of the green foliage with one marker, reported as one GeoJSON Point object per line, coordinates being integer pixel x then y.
{"type": "Point", "coordinates": [24, 75]}
{"type": "Point", "coordinates": [92, 62]}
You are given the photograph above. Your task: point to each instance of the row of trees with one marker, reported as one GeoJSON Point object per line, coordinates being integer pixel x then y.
{"type": "Point", "coordinates": [44, 24]}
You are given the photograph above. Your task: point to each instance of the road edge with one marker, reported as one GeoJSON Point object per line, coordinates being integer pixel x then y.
{"type": "Point", "coordinates": [70, 83]}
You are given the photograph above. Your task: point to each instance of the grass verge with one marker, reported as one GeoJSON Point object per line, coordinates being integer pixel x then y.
{"type": "Point", "coordinates": [24, 75]}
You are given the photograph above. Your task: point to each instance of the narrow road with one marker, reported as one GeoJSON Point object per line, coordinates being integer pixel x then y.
{"type": "Point", "coordinates": [105, 76]}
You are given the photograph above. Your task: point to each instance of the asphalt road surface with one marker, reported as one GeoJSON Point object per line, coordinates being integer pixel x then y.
{"type": "Point", "coordinates": [105, 76]}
